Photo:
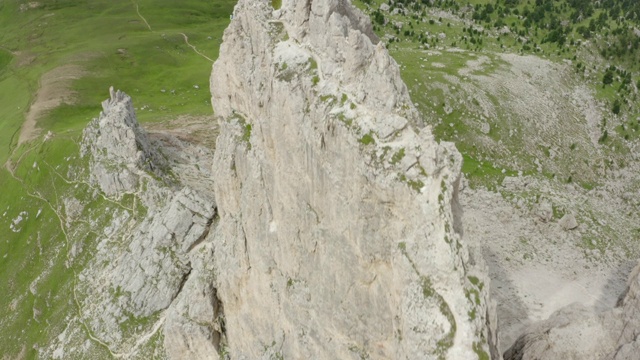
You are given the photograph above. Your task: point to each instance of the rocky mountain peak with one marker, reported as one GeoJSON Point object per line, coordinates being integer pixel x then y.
{"type": "Point", "coordinates": [330, 40]}
{"type": "Point", "coordinates": [315, 216]}
{"type": "Point", "coordinates": [119, 148]}
{"type": "Point", "coordinates": [153, 259]}
{"type": "Point", "coordinates": [339, 233]}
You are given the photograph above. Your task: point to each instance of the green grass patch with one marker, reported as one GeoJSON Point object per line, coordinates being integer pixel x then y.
{"type": "Point", "coordinates": [313, 65]}
{"type": "Point", "coordinates": [416, 185]}
{"type": "Point", "coordinates": [483, 172]}
{"type": "Point", "coordinates": [5, 59]}
{"type": "Point", "coordinates": [476, 282]}
{"type": "Point", "coordinates": [15, 96]}
{"type": "Point", "coordinates": [482, 355]}
{"type": "Point", "coordinates": [397, 157]}
{"type": "Point", "coordinates": [367, 139]}
{"type": "Point", "coordinates": [327, 98]}
{"type": "Point", "coordinates": [246, 135]}
{"type": "Point", "coordinates": [33, 253]}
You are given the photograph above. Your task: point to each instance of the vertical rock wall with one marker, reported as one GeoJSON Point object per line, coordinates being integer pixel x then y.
{"type": "Point", "coordinates": [339, 235]}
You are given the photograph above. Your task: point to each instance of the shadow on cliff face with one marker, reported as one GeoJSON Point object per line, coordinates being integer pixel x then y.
{"type": "Point", "coordinates": [616, 286]}
{"type": "Point", "coordinates": [512, 312]}
{"type": "Point", "coordinates": [456, 209]}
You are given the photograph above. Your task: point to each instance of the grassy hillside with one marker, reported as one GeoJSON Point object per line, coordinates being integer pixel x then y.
{"type": "Point", "coordinates": [61, 56]}
{"type": "Point", "coordinates": [450, 51]}
{"type": "Point", "coordinates": [547, 90]}
{"type": "Point", "coordinates": [541, 99]}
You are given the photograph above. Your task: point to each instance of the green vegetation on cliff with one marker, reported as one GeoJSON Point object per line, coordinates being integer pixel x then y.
{"type": "Point", "coordinates": [452, 56]}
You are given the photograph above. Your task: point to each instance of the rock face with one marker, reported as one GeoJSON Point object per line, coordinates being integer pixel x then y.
{"type": "Point", "coordinates": [575, 332]}
{"type": "Point", "coordinates": [339, 233]}
{"type": "Point", "coordinates": [152, 269]}
{"type": "Point", "coordinates": [336, 227]}
{"type": "Point", "coordinates": [120, 149]}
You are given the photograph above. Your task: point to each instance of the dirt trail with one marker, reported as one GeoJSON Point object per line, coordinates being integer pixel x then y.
{"type": "Point", "coordinates": [140, 15]}
{"type": "Point", "coordinates": [14, 53]}
{"type": "Point", "coordinates": [54, 90]}
{"type": "Point", "coordinates": [186, 40]}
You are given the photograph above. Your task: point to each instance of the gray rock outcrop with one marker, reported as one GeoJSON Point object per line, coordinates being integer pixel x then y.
{"type": "Point", "coordinates": [118, 147]}
{"type": "Point", "coordinates": [339, 233]}
{"type": "Point", "coordinates": [195, 321]}
{"type": "Point", "coordinates": [545, 211]}
{"type": "Point", "coordinates": [576, 332]}
{"type": "Point", "coordinates": [152, 266]}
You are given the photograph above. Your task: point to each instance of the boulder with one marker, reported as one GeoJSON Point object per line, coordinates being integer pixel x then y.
{"type": "Point", "coordinates": [568, 222]}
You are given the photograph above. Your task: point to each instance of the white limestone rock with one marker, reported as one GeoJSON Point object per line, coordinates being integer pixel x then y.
{"type": "Point", "coordinates": [144, 268]}
{"type": "Point", "coordinates": [147, 253]}
{"type": "Point", "coordinates": [545, 211]}
{"type": "Point", "coordinates": [195, 324]}
{"type": "Point", "coordinates": [485, 128]}
{"type": "Point", "coordinates": [339, 233]}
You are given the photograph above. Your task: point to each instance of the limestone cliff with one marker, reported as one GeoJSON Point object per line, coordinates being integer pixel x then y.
{"type": "Point", "coordinates": [335, 230]}
{"type": "Point", "coordinates": [339, 232]}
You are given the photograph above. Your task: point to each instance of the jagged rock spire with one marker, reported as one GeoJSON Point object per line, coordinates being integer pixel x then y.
{"type": "Point", "coordinates": [119, 148]}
